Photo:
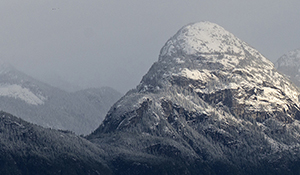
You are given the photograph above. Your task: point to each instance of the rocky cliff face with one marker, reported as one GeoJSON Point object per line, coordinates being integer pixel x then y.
{"type": "Point", "coordinates": [211, 104]}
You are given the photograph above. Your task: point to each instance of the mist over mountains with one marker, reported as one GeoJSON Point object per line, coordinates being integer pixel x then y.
{"type": "Point", "coordinates": [34, 101]}
{"type": "Point", "coordinates": [211, 104]}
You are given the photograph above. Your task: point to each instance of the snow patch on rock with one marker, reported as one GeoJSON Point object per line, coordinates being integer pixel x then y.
{"type": "Point", "coordinates": [202, 75]}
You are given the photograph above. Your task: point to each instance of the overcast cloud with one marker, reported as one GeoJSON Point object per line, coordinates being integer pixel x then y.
{"type": "Point", "coordinates": [93, 43]}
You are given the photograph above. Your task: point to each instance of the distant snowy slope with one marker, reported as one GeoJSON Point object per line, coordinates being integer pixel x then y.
{"type": "Point", "coordinates": [17, 85]}
{"type": "Point", "coordinates": [40, 103]}
{"type": "Point", "coordinates": [18, 92]}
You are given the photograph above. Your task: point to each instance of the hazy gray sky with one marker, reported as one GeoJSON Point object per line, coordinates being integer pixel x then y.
{"type": "Point", "coordinates": [93, 43]}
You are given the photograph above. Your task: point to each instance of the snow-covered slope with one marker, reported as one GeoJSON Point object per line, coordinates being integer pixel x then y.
{"type": "Point", "coordinates": [201, 38]}
{"type": "Point", "coordinates": [289, 64]}
{"type": "Point", "coordinates": [18, 92]}
{"type": "Point", "coordinates": [48, 106]}
{"type": "Point", "coordinates": [211, 101]}
{"type": "Point", "coordinates": [13, 84]}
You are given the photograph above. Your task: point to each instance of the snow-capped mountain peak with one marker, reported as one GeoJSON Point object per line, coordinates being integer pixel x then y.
{"type": "Point", "coordinates": [207, 42]}
{"type": "Point", "coordinates": [201, 38]}
{"type": "Point", "coordinates": [209, 97]}
{"type": "Point", "coordinates": [209, 60]}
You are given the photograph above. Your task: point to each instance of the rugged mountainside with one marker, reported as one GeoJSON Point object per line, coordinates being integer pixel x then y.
{"type": "Point", "coordinates": [30, 149]}
{"type": "Point", "coordinates": [39, 103]}
{"type": "Point", "coordinates": [289, 64]}
{"type": "Point", "coordinates": [212, 104]}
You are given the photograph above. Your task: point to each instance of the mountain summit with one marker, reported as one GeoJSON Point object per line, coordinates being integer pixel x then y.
{"type": "Point", "coordinates": [202, 37]}
{"type": "Point", "coordinates": [211, 104]}
{"type": "Point", "coordinates": [207, 59]}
